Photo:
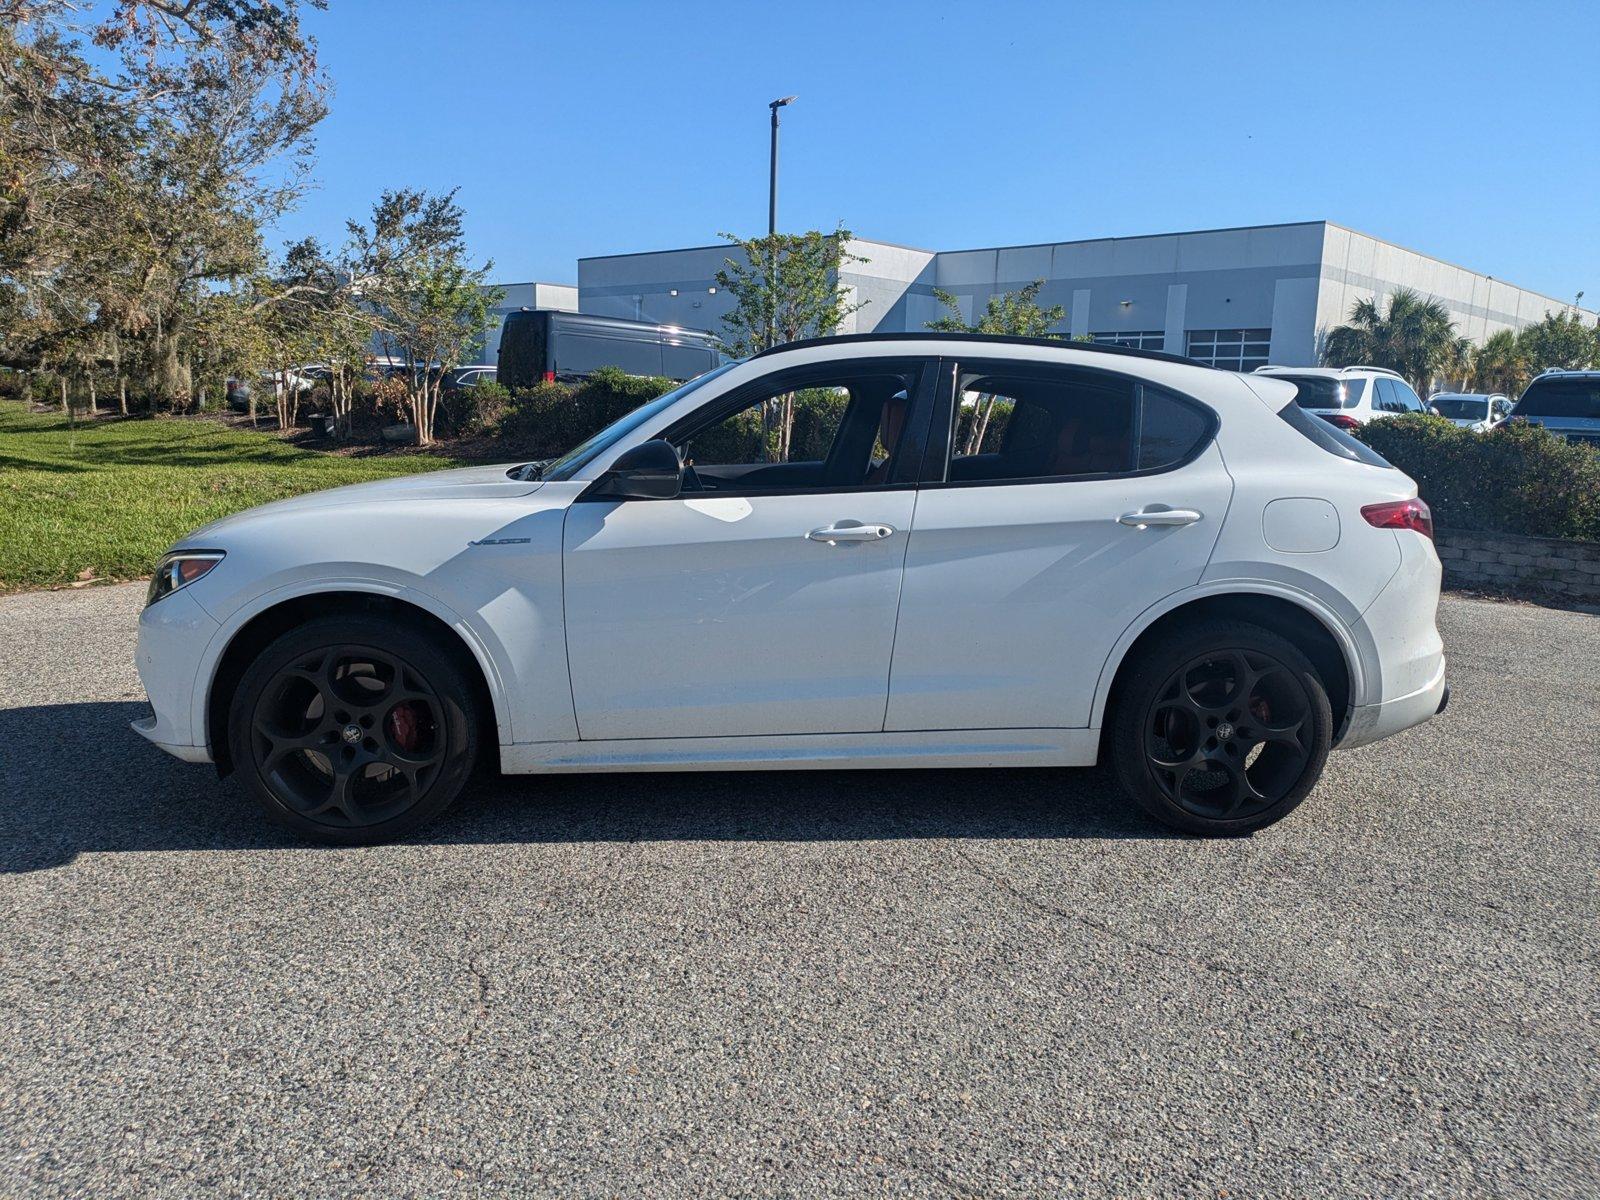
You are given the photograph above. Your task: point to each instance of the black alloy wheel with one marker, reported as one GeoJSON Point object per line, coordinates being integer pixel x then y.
{"type": "Point", "coordinates": [1229, 734]}
{"type": "Point", "coordinates": [353, 729]}
{"type": "Point", "coordinates": [1221, 728]}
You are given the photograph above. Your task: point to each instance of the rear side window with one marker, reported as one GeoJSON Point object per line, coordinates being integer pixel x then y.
{"type": "Point", "coordinates": [1558, 397]}
{"type": "Point", "coordinates": [1067, 424]}
{"type": "Point", "coordinates": [1330, 437]}
{"type": "Point", "coordinates": [1169, 430]}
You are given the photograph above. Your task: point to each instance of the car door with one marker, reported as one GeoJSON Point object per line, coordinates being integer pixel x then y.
{"type": "Point", "coordinates": [762, 599]}
{"type": "Point", "coordinates": [1069, 501]}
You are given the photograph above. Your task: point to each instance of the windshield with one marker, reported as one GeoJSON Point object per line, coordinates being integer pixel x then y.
{"type": "Point", "coordinates": [1323, 391]}
{"type": "Point", "coordinates": [1572, 397]}
{"type": "Point", "coordinates": [573, 461]}
{"type": "Point", "coordinates": [1462, 408]}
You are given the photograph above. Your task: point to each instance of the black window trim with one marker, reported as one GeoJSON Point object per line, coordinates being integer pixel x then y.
{"type": "Point", "coordinates": [914, 438]}
{"type": "Point", "coordinates": [936, 463]}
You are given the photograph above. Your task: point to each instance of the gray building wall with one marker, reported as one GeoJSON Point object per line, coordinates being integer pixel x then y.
{"type": "Point", "coordinates": [1296, 280]}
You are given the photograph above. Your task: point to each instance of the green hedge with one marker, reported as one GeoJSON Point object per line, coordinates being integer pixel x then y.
{"type": "Point", "coordinates": [1518, 478]}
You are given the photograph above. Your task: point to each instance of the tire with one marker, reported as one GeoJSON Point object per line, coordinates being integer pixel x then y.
{"type": "Point", "coordinates": [1230, 677]}
{"type": "Point", "coordinates": [351, 730]}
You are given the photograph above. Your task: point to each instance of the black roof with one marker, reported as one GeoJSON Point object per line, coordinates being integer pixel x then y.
{"type": "Point", "coordinates": [995, 339]}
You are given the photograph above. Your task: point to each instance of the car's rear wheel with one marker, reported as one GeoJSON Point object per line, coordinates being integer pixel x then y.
{"type": "Point", "coordinates": [353, 729]}
{"type": "Point", "coordinates": [1220, 728]}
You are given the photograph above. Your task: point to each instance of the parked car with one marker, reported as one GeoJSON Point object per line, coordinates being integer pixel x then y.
{"type": "Point", "coordinates": [1565, 403]}
{"type": "Point", "coordinates": [1349, 397]}
{"type": "Point", "coordinates": [266, 386]}
{"type": "Point", "coordinates": [465, 377]}
{"type": "Point", "coordinates": [1477, 411]}
{"type": "Point", "coordinates": [1171, 565]}
{"type": "Point", "coordinates": [541, 344]}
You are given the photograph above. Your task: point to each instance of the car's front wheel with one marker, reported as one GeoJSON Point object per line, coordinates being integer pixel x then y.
{"type": "Point", "coordinates": [1220, 727]}
{"type": "Point", "coordinates": [353, 729]}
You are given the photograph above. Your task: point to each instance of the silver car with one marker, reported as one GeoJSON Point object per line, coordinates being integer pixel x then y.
{"type": "Point", "coordinates": [1566, 403]}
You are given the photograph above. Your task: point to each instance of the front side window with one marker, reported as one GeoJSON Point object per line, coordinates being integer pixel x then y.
{"type": "Point", "coordinates": [1230, 349]}
{"type": "Point", "coordinates": [820, 432]}
{"type": "Point", "coordinates": [1017, 425]}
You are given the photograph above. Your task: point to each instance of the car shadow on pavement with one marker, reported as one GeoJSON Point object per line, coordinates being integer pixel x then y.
{"type": "Point", "coordinates": [75, 779]}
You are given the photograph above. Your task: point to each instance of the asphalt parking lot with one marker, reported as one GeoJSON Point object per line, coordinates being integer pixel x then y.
{"type": "Point", "coordinates": [956, 983]}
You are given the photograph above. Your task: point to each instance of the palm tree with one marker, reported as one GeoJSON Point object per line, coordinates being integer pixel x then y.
{"type": "Point", "coordinates": [1415, 337]}
{"type": "Point", "coordinates": [1500, 365]}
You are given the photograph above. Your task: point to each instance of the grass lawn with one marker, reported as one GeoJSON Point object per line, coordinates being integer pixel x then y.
{"type": "Point", "coordinates": [109, 496]}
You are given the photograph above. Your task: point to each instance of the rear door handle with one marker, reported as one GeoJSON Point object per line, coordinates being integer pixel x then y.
{"type": "Point", "coordinates": [1160, 516]}
{"type": "Point", "coordinates": [834, 534]}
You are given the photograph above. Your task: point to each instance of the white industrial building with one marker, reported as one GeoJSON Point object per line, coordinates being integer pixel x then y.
{"type": "Point", "coordinates": [1234, 297]}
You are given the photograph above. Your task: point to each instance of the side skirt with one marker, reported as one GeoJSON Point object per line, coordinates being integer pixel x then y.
{"type": "Point", "coordinates": [816, 751]}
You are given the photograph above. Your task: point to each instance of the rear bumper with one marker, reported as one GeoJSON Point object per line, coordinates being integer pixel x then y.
{"type": "Point", "coordinates": [1374, 722]}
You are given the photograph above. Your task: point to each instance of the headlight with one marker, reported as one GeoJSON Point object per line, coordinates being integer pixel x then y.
{"type": "Point", "coordinates": [179, 569]}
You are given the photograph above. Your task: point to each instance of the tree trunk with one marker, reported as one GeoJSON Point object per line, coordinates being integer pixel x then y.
{"type": "Point", "coordinates": [122, 394]}
{"type": "Point", "coordinates": [94, 400]}
{"type": "Point", "coordinates": [982, 427]}
{"type": "Point", "coordinates": [65, 407]}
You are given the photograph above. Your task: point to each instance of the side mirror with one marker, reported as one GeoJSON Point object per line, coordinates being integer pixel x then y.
{"type": "Point", "coordinates": [650, 471]}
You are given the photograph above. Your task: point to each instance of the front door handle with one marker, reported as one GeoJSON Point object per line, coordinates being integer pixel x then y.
{"type": "Point", "coordinates": [834, 534]}
{"type": "Point", "coordinates": [1160, 516]}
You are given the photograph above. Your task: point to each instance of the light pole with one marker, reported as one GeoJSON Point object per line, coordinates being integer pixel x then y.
{"type": "Point", "coordinates": [772, 225]}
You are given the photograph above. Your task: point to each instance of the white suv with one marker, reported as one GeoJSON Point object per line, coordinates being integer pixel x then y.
{"type": "Point", "coordinates": [965, 552]}
{"type": "Point", "coordinates": [1349, 397]}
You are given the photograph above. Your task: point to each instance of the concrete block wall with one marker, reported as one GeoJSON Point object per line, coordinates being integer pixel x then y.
{"type": "Point", "coordinates": [1509, 562]}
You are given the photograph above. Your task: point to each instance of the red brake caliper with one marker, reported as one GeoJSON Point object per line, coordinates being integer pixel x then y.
{"type": "Point", "coordinates": [404, 728]}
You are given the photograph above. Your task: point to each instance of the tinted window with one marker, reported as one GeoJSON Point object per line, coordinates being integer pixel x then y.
{"type": "Point", "coordinates": [1558, 397]}
{"type": "Point", "coordinates": [1330, 437]}
{"type": "Point", "coordinates": [1066, 424]}
{"type": "Point", "coordinates": [1323, 391]}
{"type": "Point", "coordinates": [685, 362]}
{"type": "Point", "coordinates": [583, 353]}
{"type": "Point", "coordinates": [1408, 400]}
{"type": "Point", "coordinates": [1021, 427]}
{"type": "Point", "coordinates": [1169, 429]}
{"type": "Point", "coordinates": [835, 431]}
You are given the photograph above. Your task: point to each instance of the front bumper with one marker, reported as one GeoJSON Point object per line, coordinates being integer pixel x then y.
{"type": "Point", "coordinates": [173, 636]}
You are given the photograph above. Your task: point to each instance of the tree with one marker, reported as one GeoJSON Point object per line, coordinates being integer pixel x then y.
{"type": "Point", "coordinates": [1499, 365]}
{"type": "Point", "coordinates": [428, 306]}
{"type": "Point", "coordinates": [1415, 337]}
{"type": "Point", "coordinates": [1560, 340]}
{"type": "Point", "coordinates": [139, 174]}
{"type": "Point", "coordinates": [785, 287]}
{"type": "Point", "coordinates": [1016, 314]}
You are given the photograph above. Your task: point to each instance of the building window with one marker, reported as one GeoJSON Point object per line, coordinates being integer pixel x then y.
{"type": "Point", "coordinates": [1137, 339]}
{"type": "Point", "coordinates": [1230, 349]}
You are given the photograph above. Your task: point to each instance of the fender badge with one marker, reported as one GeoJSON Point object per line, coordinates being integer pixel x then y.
{"type": "Point", "coordinates": [501, 542]}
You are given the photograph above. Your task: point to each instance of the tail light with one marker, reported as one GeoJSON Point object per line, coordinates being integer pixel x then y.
{"type": "Point", "coordinates": [1342, 421]}
{"type": "Point", "coordinates": [1400, 514]}
{"type": "Point", "coordinates": [549, 376]}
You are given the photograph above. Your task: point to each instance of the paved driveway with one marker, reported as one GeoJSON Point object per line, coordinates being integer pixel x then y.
{"type": "Point", "coordinates": [954, 983]}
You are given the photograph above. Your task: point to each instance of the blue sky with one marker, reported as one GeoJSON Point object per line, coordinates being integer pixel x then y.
{"type": "Point", "coordinates": [1466, 130]}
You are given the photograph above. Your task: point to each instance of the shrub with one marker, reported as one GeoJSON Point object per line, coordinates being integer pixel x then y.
{"type": "Point", "coordinates": [472, 409]}
{"type": "Point", "coordinates": [1518, 478]}
{"type": "Point", "coordinates": [549, 419]}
